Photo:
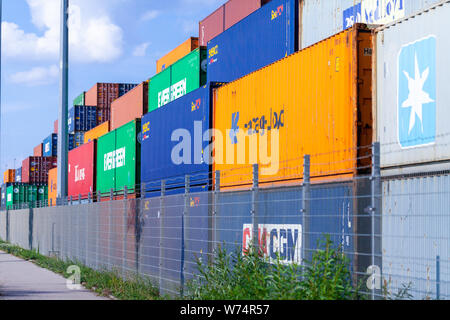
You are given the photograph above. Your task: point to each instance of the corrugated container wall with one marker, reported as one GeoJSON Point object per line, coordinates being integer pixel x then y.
{"type": "Point", "coordinates": [38, 151]}
{"type": "Point", "coordinates": [119, 158]}
{"type": "Point", "coordinates": [50, 146]}
{"type": "Point", "coordinates": [182, 77]}
{"type": "Point", "coordinates": [80, 100]}
{"type": "Point", "coordinates": [81, 173]}
{"type": "Point", "coordinates": [191, 113]}
{"type": "Point", "coordinates": [102, 95]}
{"type": "Point", "coordinates": [415, 234]}
{"type": "Point", "coordinates": [323, 18]}
{"type": "Point", "coordinates": [412, 93]}
{"type": "Point", "coordinates": [226, 16]}
{"type": "Point", "coordinates": [52, 186]}
{"type": "Point", "coordinates": [241, 49]}
{"type": "Point", "coordinates": [35, 169]}
{"type": "Point", "coordinates": [130, 106]}
{"type": "Point", "coordinates": [9, 176]}
{"type": "Point", "coordinates": [283, 98]}
{"type": "Point", "coordinates": [18, 175]}
{"type": "Point", "coordinates": [82, 118]}
{"type": "Point", "coordinates": [97, 132]}
{"type": "Point", "coordinates": [55, 126]}
{"type": "Point", "coordinates": [176, 54]}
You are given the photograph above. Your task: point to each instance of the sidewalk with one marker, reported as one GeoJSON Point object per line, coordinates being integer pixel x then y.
{"type": "Point", "coordinates": [23, 280]}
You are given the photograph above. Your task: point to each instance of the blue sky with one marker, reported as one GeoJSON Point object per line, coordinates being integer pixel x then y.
{"type": "Point", "coordinates": [110, 41]}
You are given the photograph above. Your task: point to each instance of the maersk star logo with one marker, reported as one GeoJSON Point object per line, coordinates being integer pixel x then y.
{"type": "Point", "coordinates": [417, 93]}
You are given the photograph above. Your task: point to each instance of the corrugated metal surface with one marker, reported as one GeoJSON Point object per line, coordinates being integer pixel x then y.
{"type": "Point", "coordinates": [130, 106]}
{"type": "Point", "coordinates": [18, 175]}
{"type": "Point", "coordinates": [412, 95]}
{"type": "Point", "coordinates": [9, 176]}
{"type": "Point", "coordinates": [35, 169]}
{"type": "Point", "coordinates": [416, 229]}
{"type": "Point", "coordinates": [79, 101]}
{"type": "Point", "coordinates": [118, 159]}
{"type": "Point", "coordinates": [97, 132]}
{"type": "Point", "coordinates": [50, 144]}
{"type": "Point", "coordinates": [38, 150]}
{"type": "Point", "coordinates": [242, 49]}
{"type": "Point", "coordinates": [176, 54]}
{"type": "Point", "coordinates": [82, 118]}
{"type": "Point", "coordinates": [184, 76]}
{"type": "Point", "coordinates": [323, 18]}
{"type": "Point", "coordinates": [224, 17]}
{"type": "Point", "coordinates": [157, 145]}
{"type": "Point", "coordinates": [81, 173]}
{"type": "Point", "coordinates": [52, 186]}
{"type": "Point", "coordinates": [283, 98]}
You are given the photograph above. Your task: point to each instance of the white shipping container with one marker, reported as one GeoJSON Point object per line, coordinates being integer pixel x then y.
{"type": "Point", "coordinates": [413, 92]}
{"type": "Point", "coordinates": [324, 18]}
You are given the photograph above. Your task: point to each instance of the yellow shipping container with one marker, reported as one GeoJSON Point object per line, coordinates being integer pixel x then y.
{"type": "Point", "coordinates": [52, 186]}
{"type": "Point", "coordinates": [318, 101]}
{"type": "Point", "coordinates": [176, 54]}
{"type": "Point", "coordinates": [9, 176]}
{"type": "Point", "coordinates": [97, 132]}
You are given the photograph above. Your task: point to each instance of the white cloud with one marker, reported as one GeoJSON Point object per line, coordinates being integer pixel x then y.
{"type": "Point", "coordinates": [93, 35]}
{"type": "Point", "coordinates": [37, 76]}
{"type": "Point", "coordinates": [141, 50]}
{"type": "Point", "coordinates": [150, 15]}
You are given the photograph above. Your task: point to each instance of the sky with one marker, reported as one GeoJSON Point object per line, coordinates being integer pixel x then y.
{"type": "Point", "coordinates": [110, 41]}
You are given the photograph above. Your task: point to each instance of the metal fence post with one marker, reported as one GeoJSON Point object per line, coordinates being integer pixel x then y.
{"type": "Point", "coordinates": [184, 231]}
{"type": "Point", "coordinates": [125, 229]}
{"type": "Point", "coordinates": [8, 238]}
{"type": "Point", "coordinates": [30, 228]}
{"type": "Point", "coordinates": [138, 227]}
{"type": "Point", "coordinates": [110, 230]}
{"type": "Point", "coordinates": [254, 212]}
{"type": "Point", "coordinates": [438, 277]}
{"type": "Point", "coordinates": [306, 212]}
{"type": "Point", "coordinates": [215, 216]}
{"type": "Point", "coordinates": [376, 214]}
{"type": "Point", "coordinates": [161, 234]}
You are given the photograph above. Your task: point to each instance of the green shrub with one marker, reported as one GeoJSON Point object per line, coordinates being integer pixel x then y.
{"type": "Point", "coordinates": [251, 277]}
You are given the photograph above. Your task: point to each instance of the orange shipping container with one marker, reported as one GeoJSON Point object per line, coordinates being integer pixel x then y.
{"type": "Point", "coordinates": [318, 102]}
{"type": "Point", "coordinates": [9, 176]}
{"type": "Point", "coordinates": [97, 132]}
{"type": "Point", "coordinates": [52, 186]}
{"type": "Point", "coordinates": [130, 106]}
{"type": "Point", "coordinates": [176, 54]}
{"type": "Point", "coordinates": [37, 152]}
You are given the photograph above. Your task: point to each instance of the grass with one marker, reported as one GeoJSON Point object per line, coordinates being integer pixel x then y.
{"type": "Point", "coordinates": [104, 283]}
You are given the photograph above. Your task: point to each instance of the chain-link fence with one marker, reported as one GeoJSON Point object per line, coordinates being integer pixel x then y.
{"type": "Point", "coordinates": [394, 230]}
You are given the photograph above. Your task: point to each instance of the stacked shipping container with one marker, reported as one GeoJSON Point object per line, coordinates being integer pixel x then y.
{"type": "Point", "coordinates": [132, 105]}
{"type": "Point", "coordinates": [35, 169]}
{"type": "Point", "coordinates": [176, 54]}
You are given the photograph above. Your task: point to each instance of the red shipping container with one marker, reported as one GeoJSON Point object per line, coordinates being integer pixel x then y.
{"type": "Point", "coordinates": [81, 171]}
{"type": "Point", "coordinates": [35, 169]}
{"type": "Point", "coordinates": [132, 105]}
{"type": "Point", "coordinates": [225, 17]}
{"type": "Point", "coordinates": [102, 95]}
{"type": "Point", "coordinates": [37, 152]}
{"type": "Point", "coordinates": [55, 126]}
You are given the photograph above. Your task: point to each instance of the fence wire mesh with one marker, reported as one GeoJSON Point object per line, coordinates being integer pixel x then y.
{"type": "Point", "coordinates": [394, 230]}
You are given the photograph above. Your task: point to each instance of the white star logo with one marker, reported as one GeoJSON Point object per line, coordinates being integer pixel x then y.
{"type": "Point", "coordinates": [417, 96]}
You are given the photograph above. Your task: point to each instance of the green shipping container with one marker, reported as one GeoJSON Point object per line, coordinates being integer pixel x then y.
{"type": "Point", "coordinates": [119, 159]}
{"type": "Point", "coordinates": [186, 75]}
{"type": "Point", "coordinates": [79, 101]}
{"type": "Point", "coordinates": [24, 196]}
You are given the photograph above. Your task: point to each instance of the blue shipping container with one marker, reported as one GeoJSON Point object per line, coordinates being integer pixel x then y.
{"type": "Point", "coordinates": [267, 35]}
{"type": "Point", "coordinates": [186, 120]}
{"type": "Point", "coordinates": [50, 145]}
{"type": "Point", "coordinates": [18, 175]}
{"type": "Point", "coordinates": [125, 87]}
{"type": "Point", "coordinates": [82, 118]}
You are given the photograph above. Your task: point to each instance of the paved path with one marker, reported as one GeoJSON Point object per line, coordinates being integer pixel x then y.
{"type": "Point", "coordinates": [23, 280]}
